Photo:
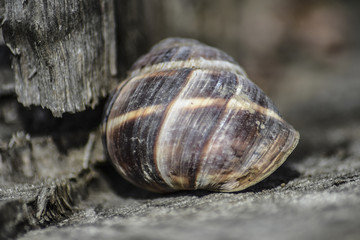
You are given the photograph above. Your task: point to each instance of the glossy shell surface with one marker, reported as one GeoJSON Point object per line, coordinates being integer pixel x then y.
{"type": "Point", "coordinates": [187, 117]}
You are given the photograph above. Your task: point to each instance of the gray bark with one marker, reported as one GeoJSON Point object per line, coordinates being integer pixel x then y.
{"type": "Point", "coordinates": [64, 51]}
{"type": "Point", "coordinates": [39, 184]}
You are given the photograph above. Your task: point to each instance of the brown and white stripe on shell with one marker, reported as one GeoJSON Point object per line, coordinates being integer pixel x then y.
{"type": "Point", "coordinates": [189, 118]}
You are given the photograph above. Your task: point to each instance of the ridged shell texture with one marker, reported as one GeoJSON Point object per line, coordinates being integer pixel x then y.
{"type": "Point", "coordinates": [187, 117]}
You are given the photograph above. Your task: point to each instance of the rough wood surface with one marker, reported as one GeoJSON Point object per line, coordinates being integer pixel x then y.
{"type": "Point", "coordinates": [40, 184]}
{"type": "Point", "coordinates": [64, 51]}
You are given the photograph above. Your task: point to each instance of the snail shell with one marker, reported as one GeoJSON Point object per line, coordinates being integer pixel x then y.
{"type": "Point", "coordinates": [187, 117]}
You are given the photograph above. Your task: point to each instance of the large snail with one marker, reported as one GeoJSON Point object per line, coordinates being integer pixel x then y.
{"type": "Point", "coordinates": [187, 117]}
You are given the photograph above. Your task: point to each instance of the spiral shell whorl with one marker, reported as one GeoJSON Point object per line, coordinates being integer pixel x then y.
{"type": "Point", "coordinates": [189, 118]}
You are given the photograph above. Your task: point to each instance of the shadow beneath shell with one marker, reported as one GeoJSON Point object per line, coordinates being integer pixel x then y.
{"type": "Point", "coordinates": [120, 186]}
{"type": "Point", "coordinates": [282, 175]}
{"type": "Point", "coordinates": [124, 189]}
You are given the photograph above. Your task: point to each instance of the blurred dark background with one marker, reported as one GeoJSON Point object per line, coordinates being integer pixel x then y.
{"type": "Point", "coordinates": [303, 54]}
